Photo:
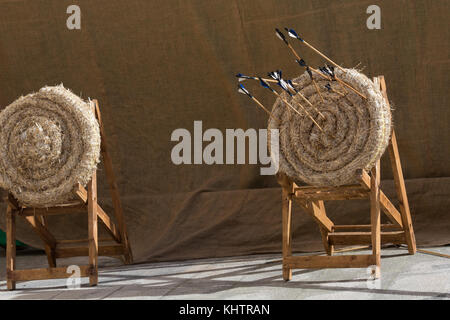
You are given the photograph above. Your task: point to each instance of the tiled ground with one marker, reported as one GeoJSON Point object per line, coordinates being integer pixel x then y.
{"type": "Point", "coordinates": [420, 276]}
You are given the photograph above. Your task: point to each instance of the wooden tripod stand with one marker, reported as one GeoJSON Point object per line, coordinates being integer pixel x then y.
{"type": "Point", "coordinates": [86, 201]}
{"type": "Point", "coordinates": [311, 199]}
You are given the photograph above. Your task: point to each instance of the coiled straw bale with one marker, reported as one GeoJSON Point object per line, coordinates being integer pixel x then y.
{"type": "Point", "coordinates": [355, 133]}
{"type": "Point", "coordinates": [49, 142]}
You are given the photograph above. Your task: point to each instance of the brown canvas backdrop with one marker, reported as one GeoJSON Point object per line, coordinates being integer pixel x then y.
{"type": "Point", "coordinates": [158, 65]}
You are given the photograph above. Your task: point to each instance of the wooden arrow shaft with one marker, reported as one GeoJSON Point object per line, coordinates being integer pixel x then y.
{"type": "Point", "coordinates": [350, 87]}
{"type": "Point", "coordinates": [321, 74]}
{"type": "Point", "coordinates": [329, 60]}
{"type": "Point", "coordinates": [317, 89]}
{"type": "Point", "coordinates": [307, 101]}
{"type": "Point", "coordinates": [262, 107]}
{"type": "Point", "coordinates": [323, 56]}
{"type": "Point", "coordinates": [294, 52]}
{"type": "Point", "coordinates": [340, 81]}
{"type": "Point", "coordinates": [339, 93]}
{"type": "Point", "coordinates": [265, 79]}
{"type": "Point", "coordinates": [306, 111]}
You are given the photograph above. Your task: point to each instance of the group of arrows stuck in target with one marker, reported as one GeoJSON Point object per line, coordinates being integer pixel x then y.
{"type": "Point", "coordinates": [288, 86]}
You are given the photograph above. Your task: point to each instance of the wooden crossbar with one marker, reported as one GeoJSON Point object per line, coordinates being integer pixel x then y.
{"type": "Point", "coordinates": [352, 238]}
{"type": "Point", "coordinates": [340, 227]}
{"type": "Point", "coordinates": [332, 193]}
{"type": "Point", "coordinates": [86, 240]}
{"type": "Point", "coordinates": [105, 250]}
{"type": "Point", "coordinates": [76, 208]}
{"type": "Point", "coordinates": [46, 273]}
{"type": "Point", "coordinates": [320, 262]}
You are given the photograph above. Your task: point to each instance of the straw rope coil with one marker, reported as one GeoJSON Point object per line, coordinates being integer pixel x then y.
{"type": "Point", "coordinates": [49, 142]}
{"type": "Point", "coordinates": [355, 133]}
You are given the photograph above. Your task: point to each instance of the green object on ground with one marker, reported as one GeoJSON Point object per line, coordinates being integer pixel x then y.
{"type": "Point", "coordinates": [3, 240]}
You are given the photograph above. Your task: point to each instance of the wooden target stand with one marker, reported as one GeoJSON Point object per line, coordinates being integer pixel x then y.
{"type": "Point", "coordinates": [86, 200]}
{"type": "Point", "coordinates": [311, 199]}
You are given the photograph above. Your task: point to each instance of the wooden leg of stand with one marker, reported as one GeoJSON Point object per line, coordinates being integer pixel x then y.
{"type": "Point", "coordinates": [329, 248]}
{"type": "Point", "coordinates": [51, 258]}
{"type": "Point", "coordinates": [93, 230]}
{"type": "Point", "coordinates": [10, 246]}
{"type": "Point", "coordinates": [324, 232]}
{"type": "Point", "coordinates": [399, 181]}
{"type": "Point", "coordinates": [375, 215]}
{"type": "Point", "coordinates": [114, 190]}
{"type": "Point", "coordinates": [401, 194]}
{"type": "Point", "coordinates": [287, 232]}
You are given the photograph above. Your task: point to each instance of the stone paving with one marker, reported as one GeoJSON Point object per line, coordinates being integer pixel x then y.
{"type": "Point", "coordinates": [421, 276]}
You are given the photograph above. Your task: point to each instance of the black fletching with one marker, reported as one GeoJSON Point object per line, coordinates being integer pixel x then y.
{"type": "Point", "coordinates": [331, 72]}
{"type": "Point", "coordinates": [281, 35]}
{"type": "Point", "coordinates": [324, 71]}
{"type": "Point", "coordinates": [275, 75]}
{"type": "Point", "coordinates": [284, 86]}
{"type": "Point", "coordinates": [309, 72]}
{"type": "Point", "coordinates": [302, 63]}
{"type": "Point", "coordinates": [291, 85]}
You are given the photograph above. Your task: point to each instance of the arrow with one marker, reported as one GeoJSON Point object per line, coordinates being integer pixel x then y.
{"type": "Point", "coordinates": [289, 85]}
{"type": "Point", "coordinates": [294, 34]}
{"type": "Point", "coordinates": [283, 37]}
{"type": "Point", "coordinates": [325, 73]}
{"type": "Point", "coordinates": [266, 85]}
{"type": "Point", "coordinates": [243, 90]}
{"type": "Point", "coordinates": [308, 69]}
{"type": "Point", "coordinates": [242, 77]}
{"type": "Point", "coordinates": [328, 86]}
{"type": "Point", "coordinates": [329, 70]}
{"type": "Point", "coordinates": [303, 64]}
{"type": "Point", "coordinates": [276, 75]}
{"type": "Point", "coordinates": [285, 85]}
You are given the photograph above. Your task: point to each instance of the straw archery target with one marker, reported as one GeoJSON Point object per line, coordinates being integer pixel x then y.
{"type": "Point", "coordinates": [355, 133]}
{"type": "Point", "coordinates": [49, 142]}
